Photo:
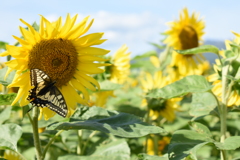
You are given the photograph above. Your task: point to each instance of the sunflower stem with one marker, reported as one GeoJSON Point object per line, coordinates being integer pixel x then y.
{"type": "Point", "coordinates": [147, 136]}
{"type": "Point", "coordinates": [37, 142]}
{"type": "Point", "coordinates": [90, 136]}
{"type": "Point", "coordinates": [79, 132]}
{"type": "Point", "coordinates": [49, 143]}
{"type": "Point", "coordinates": [223, 110]}
{"type": "Point", "coordinates": [30, 119]}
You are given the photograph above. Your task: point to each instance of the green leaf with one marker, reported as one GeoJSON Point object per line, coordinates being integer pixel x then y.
{"type": "Point", "coordinates": [202, 104]}
{"type": "Point", "coordinates": [77, 157]}
{"type": "Point", "coordinates": [158, 45]}
{"type": "Point", "coordinates": [3, 45]}
{"type": "Point", "coordinates": [7, 99]}
{"type": "Point", "coordinates": [9, 135]}
{"type": "Point", "coordinates": [145, 55]}
{"type": "Point", "coordinates": [231, 143]}
{"type": "Point", "coordinates": [119, 124]}
{"type": "Point", "coordinates": [29, 153]}
{"type": "Point", "coordinates": [115, 150]}
{"type": "Point", "coordinates": [118, 149]}
{"type": "Point", "coordinates": [186, 143]}
{"type": "Point", "coordinates": [35, 26]}
{"type": "Point", "coordinates": [144, 65]}
{"type": "Point", "coordinates": [9, 78]}
{"type": "Point", "coordinates": [200, 128]}
{"type": "Point", "coordinates": [109, 86]}
{"type": "Point", "coordinates": [5, 114]}
{"type": "Point", "coordinates": [189, 84]}
{"type": "Point", "coordinates": [200, 49]}
{"type": "Point", "coordinates": [144, 156]}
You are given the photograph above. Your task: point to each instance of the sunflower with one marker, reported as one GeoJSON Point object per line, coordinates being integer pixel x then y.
{"type": "Point", "coordinates": [120, 69]}
{"type": "Point", "coordinates": [160, 145]}
{"type": "Point", "coordinates": [159, 107]}
{"type": "Point", "coordinates": [100, 98]}
{"type": "Point", "coordinates": [186, 33]}
{"type": "Point", "coordinates": [64, 53]}
{"type": "Point", "coordinates": [234, 97]}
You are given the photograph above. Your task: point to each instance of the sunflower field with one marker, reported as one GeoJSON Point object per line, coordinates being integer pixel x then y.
{"type": "Point", "coordinates": [63, 97]}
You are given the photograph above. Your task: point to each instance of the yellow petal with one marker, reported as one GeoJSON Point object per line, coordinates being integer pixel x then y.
{"type": "Point", "coordinates": [84, 82]}
{"type": "Point", "coordinates": [77, 30]}
{"type": "Point", "coordinates": [91, 51]}
{"type": "Point", "coordinates": [18, 64]}
{"type": "Point", "coordinates": [88, 40]}
{"type": "Point", "coordinates": [76, 84]}
{"type": "Point", "coordinates": [28, 36]}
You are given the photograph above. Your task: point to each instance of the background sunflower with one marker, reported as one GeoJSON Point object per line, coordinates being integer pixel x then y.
{"type": "Point", "coordinates": [186, 33]}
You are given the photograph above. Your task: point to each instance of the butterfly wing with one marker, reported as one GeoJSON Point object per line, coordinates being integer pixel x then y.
{"type": "Point", "coordinates": [56, 98]}
{"type": "Point", "coordinates": [45, 94]}
{"type": "Point", "coordinates": [39, 80]}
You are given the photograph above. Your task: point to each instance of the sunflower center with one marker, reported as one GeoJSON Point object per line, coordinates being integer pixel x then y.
{"type": "Point", "coordinates": [56, 62]}
{"type": "Point", "coordinates": [56, 57]}
{"type": "Point", "coordinates": [188, 38]}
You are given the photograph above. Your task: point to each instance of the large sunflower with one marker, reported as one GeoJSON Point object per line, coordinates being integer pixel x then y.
{"type": "Point", "coordinates": [63, 53]}
{"type": "Point", "coordinates": [186, 33]}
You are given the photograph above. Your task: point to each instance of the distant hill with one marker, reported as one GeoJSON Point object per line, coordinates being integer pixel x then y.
{"type": "Point", "coordinates": [219, 44]}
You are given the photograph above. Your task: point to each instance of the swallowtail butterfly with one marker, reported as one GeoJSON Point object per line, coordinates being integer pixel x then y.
{"type": "Point", "coordinates": [45, 93]}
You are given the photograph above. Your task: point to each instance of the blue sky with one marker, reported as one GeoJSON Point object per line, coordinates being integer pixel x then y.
{"type": "Point", "coordinates": [131, 22]}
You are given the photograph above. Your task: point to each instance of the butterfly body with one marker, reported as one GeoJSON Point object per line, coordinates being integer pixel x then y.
{"type": "Point", "coordinates": [45, 93]}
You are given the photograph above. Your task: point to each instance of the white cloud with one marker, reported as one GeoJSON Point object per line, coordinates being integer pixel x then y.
{"type": "Point", "coordinates": [134, 30]}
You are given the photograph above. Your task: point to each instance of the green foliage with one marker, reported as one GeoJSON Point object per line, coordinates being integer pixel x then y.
{"type": "Point", "coordinates": [142, 62]}
{"type": "Point", "coordinates": [116, 150]}
{"type": "Point", "coordinates": [7, 99]}
{"type": "Point", "coordinates": [118, 124]}
{"type": "Point", "coordinates": [5, 114]}
{"type": "Point", "coordinates": [231, 143]}
{"type": "Point", "coordinates": [189, 84]}
{"type": "Point", "coordinates": [200, 49]}
{"type": "Point", "coordinates": [3, 45]}
{"type": "Point", "coordinates": [9, 78]}
{"type": "Point", "coordinates": [202, 104]}
{"type": "Point", "coordinates": [185, 143]}
{"type": "Point", "coordinates": [108, 86]}
{"type": "Point", "coordinates": [9, 135]}
{"type": "Point", "coordinates": [143, 156]}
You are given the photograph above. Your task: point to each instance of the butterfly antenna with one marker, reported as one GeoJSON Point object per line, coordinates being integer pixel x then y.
{"type": "Point", "coordinates": [30, 109]}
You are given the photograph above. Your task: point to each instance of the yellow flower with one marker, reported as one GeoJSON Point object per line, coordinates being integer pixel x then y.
{"type": "Point", "coordinates": [160, 107]}
{"type": "Point", "coordinates": [173, 73]}
{"type": "Point", "coordinates": [186, 33]}
{"type": "Point", "coordinates": [120, 69]}
{"type": "Point", "coordinates": [11, 155]}
{"type": "Point", "coordinates": [165, 108]}
{"type": "Point", "coordinates": [234, 97]}
{"type": "Point", "coordinates": [155, 61]}
{"type": "Point", "coordinates": [64, 53]}
{"type": "Point", "coordinates": [100, 98]}
{"type": "Point", "coordinates": [154, 142]}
